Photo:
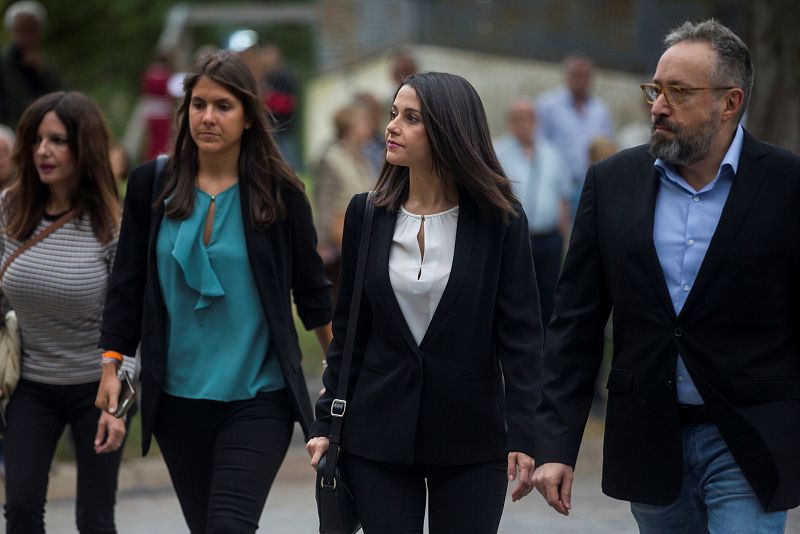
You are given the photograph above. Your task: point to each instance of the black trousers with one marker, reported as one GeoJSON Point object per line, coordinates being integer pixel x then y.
{"type": "Point", "coordinates": [547, 252]}
{"type": "Point", "coordinates": [390, 499]}
{"type": "Point", "coordinates": [222, 457]}
{"type": "Point", "coordinates": [37, 414]}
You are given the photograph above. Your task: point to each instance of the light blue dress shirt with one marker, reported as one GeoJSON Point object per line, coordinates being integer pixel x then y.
{"type": "Point", "coordinates": [572, 131]}
{"type": "Point", "coordinates": [218, 332]}
{"type": "Point", "coordinates": [541, 182]}
{"type": "Point", "coordinates": [685, 222]}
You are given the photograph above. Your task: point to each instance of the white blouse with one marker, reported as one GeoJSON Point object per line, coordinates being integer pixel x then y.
{"type": "Point", "coordinates": [419, 280]}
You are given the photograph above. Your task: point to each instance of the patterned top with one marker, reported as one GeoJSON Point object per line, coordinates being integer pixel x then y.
{"type": "Point", "coordinates": [58, 288]}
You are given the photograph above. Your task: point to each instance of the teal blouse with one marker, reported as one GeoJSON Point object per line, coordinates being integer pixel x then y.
{"type": "Point", "coordinates": [218, 337]}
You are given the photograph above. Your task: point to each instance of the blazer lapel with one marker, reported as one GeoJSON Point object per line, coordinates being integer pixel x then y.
{"type": "Point", "coordinates": [644, 205]}
{"type": "Point", "coordinates": [749, 177]}
{"type": "Point", "coordinates": [382, 233]}
{"type": "Point", "coordinates": [465, 230]}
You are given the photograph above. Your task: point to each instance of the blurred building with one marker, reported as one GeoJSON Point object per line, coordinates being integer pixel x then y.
{"type": "Point", "coordinates": [617, 34]}
{"type": "Point", "coordinates": [506, 48]}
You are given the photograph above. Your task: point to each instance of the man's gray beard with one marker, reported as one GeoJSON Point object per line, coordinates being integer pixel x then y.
{"type": "Point", "coordinates": [685, 148]}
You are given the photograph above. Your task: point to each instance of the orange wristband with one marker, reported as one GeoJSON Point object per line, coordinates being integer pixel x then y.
{"type": "Point", "coordinates": [113, 355]}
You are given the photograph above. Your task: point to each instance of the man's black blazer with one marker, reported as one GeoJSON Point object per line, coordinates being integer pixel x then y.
{"type": "Point", "coordinates": [283, 259]}
{"type": "Point", "coordinates": [467, 393]}
{"type": "Point", "coordinates": [738, 332]}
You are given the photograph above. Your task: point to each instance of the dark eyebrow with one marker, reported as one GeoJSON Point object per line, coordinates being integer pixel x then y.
{"type": "Point", "coordinates": [407, 110]}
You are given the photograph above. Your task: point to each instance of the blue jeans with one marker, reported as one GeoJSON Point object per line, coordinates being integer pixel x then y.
{"type": "Point", "coordinates": [715, 497]}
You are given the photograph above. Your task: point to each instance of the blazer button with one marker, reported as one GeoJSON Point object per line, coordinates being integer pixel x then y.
{"type": "Point", "coordinates": [670, 384]}
{"type": "Point", "coordinates": [678, 331]}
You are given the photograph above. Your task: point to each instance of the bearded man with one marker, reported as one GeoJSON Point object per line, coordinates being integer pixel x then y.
{"type": "Point", "coordinates": [693, 242]}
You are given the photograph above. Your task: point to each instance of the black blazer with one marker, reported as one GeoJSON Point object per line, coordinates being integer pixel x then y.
{"type": "Point", "coordinates": [738, 332]}
{"type": "Point", "coordinates": [468, 391]}
{"type": "Point", "coordinates": [282, 258]}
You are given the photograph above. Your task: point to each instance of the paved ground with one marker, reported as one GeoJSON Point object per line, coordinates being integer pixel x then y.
{"type": "Point", "coordinates": [147, 504]}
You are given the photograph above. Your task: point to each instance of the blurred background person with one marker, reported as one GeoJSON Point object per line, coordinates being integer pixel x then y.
{"type": "Point", "coordinates": [280, 93]}
{"type": "Point", "coordinates": [636, 132]}
{"type": "Point", "coordinates": [120, 166]}
{"type": "Point", "coordinates": [601, 148]}
{"type": "Point", "coordinates": [226, 247]}
{"type": "Point", "coordinates": [342, 171]}
{"type": "Point", "coordinates": [571, 116]}
{"type": "Point", "coordinates": [158, 107]}
{"type": "Point", "coordinates": [404, 64]}
{"type": "Point", "coordinates": [375, 150]}
{"type": "Point", "coordinates": [541, 181]}
{"type": "Point", "coordinates": [7, 141]}
{"type": "Point", "coordinates": [57, 288]}
{"type": "Point", "coordinates": [25, 74]}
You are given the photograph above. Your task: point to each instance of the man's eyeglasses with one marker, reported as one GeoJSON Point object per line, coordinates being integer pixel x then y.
{"type": "Point", "coordinates": [674, 94]}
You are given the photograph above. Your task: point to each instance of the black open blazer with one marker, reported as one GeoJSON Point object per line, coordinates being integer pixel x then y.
{"type": "Point", "coordinates": [283, 258]}
{"type": "Point", "coordinates": [468, 391]}
{"type": "Point", "coordinates": [738, 333]}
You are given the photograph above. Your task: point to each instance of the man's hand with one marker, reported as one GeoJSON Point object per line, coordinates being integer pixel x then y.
{"type": "Point", "coordinates": [554, 482]}
{"type": "Point", "coordinates": [525, 464]}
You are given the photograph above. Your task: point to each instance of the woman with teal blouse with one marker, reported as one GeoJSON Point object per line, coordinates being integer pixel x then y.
{"type": "Point", "coordinates": [218, 245]}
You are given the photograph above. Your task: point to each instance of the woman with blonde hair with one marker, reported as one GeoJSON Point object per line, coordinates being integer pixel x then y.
{"type": "Point", "coordinates": [343, 171]}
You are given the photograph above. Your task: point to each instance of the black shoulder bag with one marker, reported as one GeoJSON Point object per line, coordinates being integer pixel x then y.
{"type": "Point", "coordinates": [335, 506]}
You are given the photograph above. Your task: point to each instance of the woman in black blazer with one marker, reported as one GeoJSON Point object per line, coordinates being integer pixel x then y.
{"type": "Point", "coordinates": [445, 365]}
{"type": "Point", "coordinates": [207, 259]}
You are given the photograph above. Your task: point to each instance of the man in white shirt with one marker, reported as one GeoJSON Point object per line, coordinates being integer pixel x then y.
{"type": "Point", "coordinates": [541, 181]}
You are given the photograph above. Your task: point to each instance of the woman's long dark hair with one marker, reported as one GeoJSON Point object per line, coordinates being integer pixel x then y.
{"type": "Point", "coordinates": [461, 147]}
{"type": "Point", "coordinates": [88, 142]}
{"type": "Point", "coordinates": [262, 169]}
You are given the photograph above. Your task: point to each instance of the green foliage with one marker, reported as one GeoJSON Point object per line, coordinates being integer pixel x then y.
{"type": "Point", "coordinates": [102, 47]}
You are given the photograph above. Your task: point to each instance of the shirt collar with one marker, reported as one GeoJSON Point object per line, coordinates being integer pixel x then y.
{"type": "Point", "coordinates": [730, 161]}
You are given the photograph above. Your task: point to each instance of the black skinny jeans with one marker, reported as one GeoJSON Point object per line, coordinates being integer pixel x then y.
{"type": "Point", "coordinates": [222, 457]}
{"type": "Point", "coordinates": [37, 415]}
{"type": "Point", "coordinates": [390, 499]}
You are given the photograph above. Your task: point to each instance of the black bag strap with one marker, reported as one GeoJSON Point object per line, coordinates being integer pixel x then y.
{"type": "Point", "coordinates": [339, 404]}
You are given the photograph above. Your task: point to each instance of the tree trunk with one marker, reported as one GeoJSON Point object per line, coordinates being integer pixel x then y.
{"type": "Point", "coordinates": [774, 113]}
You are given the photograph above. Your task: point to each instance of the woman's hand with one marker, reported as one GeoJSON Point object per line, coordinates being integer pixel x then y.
{"type": "Point", "coordinates": [324, 335]}
{"type": "Point", "coordinates": [108, 391]}
{"type": "Point", "coordinates": [110, 433]}
{"type": "Point", "coordinates": [519, 461]}
{"type": "Point", "coordinates": [316, 447]}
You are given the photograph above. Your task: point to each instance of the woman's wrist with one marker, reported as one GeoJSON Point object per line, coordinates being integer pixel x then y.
{"type": "Point", "coordinates": [110, 366]}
